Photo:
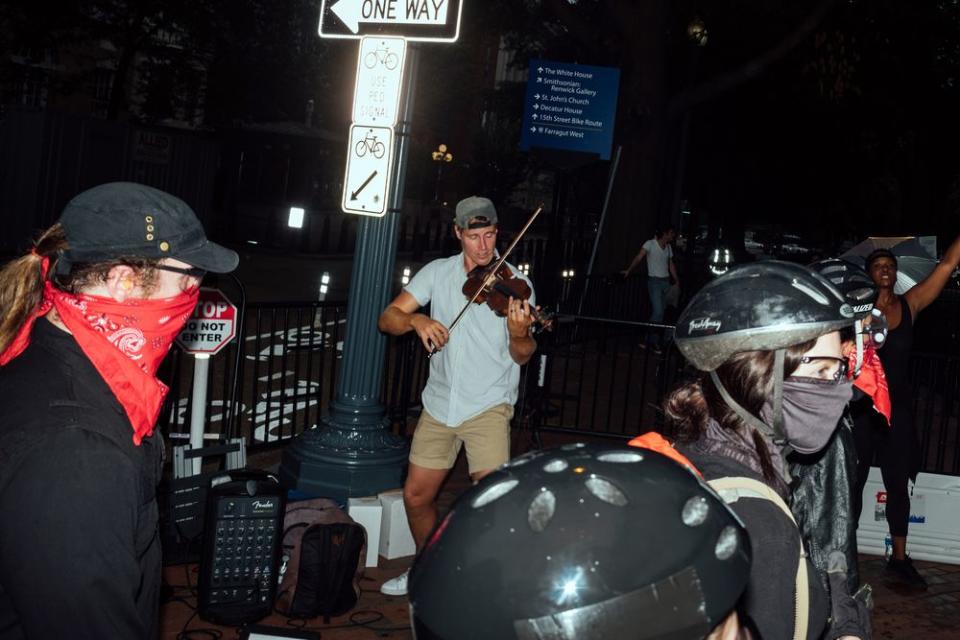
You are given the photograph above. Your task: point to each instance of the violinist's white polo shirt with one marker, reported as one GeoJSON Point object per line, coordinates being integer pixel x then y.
{"type": "Point", "coordinates": [474, 371]}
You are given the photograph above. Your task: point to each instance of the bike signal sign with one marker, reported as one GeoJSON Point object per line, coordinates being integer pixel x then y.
{"type": "Point", "coordinates": [421, 20]}
{"type": "Point", "coordinates": [379, 78]}
{"type": "Point", "coordinates": [369, 159]}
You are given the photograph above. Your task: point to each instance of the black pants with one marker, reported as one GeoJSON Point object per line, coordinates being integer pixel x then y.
{"type": "Point", "coordinates": [895, 450]}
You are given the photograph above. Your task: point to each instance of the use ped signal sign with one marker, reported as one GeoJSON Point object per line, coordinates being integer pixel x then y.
{"type": "Point", "coordinates": [376, 95]}
{"type": "Point", "coordinates": [421, 20]}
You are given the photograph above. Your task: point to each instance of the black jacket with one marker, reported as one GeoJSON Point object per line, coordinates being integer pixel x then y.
{"type": "Point", "coordinates": [822, 491]}
{"type": "Point", "coordinates": [79, 543]}
{"type": "Point", "coordinates": [769, 599]}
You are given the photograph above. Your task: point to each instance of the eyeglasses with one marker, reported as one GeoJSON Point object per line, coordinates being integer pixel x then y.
{"type": "Point", "coordinates": [842, 366]}
{"type": "Point", "coordinates": [193, 272]}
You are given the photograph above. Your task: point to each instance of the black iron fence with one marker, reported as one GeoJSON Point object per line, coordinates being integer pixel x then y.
{"type": "Point", "coordinates": [590, 377]}
{"type": "Point", "coordinates": [600, 377]}
{"type": "Point", "coordinates": [285, 365]}
{"type": "Point", "coordinates": [936, 409]}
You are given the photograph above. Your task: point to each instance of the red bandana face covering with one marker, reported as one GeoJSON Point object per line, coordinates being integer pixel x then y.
{"type": "Point", "coordinates": [125, 341]}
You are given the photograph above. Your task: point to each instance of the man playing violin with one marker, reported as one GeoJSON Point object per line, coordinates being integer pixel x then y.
{"type": "Point", "coordinates": [474, 372]}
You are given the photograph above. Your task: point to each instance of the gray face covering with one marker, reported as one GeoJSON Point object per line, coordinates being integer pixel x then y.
{"type": "Point", "coordinates": [811, 409]}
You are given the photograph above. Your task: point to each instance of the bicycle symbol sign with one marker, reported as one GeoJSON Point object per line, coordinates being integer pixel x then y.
{"type": "Point", "coordinates": [370, 143]}
{"type": "Point", "coordinates": [383, 56]}
{"type": "Point", "coordinates": [379, 77]}
{"type": "Point", "coordinates": [366, 188]}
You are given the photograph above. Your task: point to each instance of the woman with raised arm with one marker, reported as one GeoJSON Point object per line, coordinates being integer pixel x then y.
{"type": "Point", "coordinates": [897, 449]}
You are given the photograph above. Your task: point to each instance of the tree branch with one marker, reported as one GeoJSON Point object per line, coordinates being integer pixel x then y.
{"type": "Point", "coordinates": [567, 15]}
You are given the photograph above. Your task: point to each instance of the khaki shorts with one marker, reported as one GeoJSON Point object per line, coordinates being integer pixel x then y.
{"type": "Point", "coordinates": [486, 436]}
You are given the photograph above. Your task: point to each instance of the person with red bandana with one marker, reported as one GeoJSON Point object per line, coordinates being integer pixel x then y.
{"type": "Point", "coordinates": [85, 320]}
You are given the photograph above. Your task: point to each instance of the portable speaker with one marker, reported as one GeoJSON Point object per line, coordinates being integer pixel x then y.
{"type": "Point", "coordinates": [241, 547]}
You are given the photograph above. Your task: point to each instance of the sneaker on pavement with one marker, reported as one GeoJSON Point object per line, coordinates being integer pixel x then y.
{"type": "Point", "coordinates": [905, 572]}
{"type": "Point", "coordinates": [396, 586]}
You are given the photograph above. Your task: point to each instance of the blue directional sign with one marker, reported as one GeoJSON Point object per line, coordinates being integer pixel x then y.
{"type": "Point", "coordinates": [571, 107]}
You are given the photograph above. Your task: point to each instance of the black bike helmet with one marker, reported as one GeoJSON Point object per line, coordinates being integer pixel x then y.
{"type": "Point", "coordinates": [764, 306]}
{"type": "Point", "coordinates": [581, 541]}
{"type": "Point", "coordinates": [761, 306]}
{"type": "Point", "coordinates": [852, 282]}
{"type": "Point", "coordinates": [861, 292]}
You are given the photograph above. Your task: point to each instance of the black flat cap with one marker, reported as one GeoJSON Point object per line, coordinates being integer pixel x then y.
{"type": "Point", "coordinates": [129, 219]}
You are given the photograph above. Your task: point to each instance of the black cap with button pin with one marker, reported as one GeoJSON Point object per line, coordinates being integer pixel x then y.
{"type": "Point", "coordinates": [120, 219]}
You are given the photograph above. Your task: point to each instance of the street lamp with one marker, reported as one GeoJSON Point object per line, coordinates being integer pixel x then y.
{"type": "Point", "coordinates": [697, 32]}
{"type": "Point", "coordinates": [441, 156]}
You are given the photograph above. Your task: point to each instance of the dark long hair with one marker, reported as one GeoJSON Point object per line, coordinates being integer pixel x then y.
{"type": "Point", "coordinates": [748, 378]}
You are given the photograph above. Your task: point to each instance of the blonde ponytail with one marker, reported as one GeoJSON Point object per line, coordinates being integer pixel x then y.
{"type": "Point", "coordinates": [22, 281]}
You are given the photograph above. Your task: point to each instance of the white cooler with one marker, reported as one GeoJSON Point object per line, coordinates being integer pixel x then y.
{"type": "Point", "coordinates": [934, 518]}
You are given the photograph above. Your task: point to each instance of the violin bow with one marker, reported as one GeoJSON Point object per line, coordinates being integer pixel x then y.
{"type": "Point", "coordinates": [493, 271]}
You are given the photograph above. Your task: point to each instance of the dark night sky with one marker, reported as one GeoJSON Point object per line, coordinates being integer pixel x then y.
{"type": "Point", "coordinates": [845, 124]}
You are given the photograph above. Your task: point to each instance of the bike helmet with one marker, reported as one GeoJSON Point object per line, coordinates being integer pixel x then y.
{"type": "Point", "coordinates": [759, 307]}
{"type": "Point", "coordinates": [861, 293]}
{"type": "Point", "coordinates": [852, 282]}
{"type": "Point", "coordinates": [764, 306]}
{"type": "Point", "coordinates": [581, 541]}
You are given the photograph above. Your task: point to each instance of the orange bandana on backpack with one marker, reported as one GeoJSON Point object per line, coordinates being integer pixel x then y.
{"type": "Point", "coordinates": [656, 442]}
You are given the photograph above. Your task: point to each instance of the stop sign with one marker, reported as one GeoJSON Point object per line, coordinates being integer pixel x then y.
{"type": "Point", "coordinates": [212, 325]}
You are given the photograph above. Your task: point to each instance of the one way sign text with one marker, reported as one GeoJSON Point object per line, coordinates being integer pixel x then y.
{"type": "Point", "coordinates": [427, 20]}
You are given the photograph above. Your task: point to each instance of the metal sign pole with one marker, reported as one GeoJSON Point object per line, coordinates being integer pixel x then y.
{"type": "Point", "coordinates": [198, 404]}
{"type": "Point", "coordinates": [353, 451]}
{"type": "Point", "coordinates": [603, 218]}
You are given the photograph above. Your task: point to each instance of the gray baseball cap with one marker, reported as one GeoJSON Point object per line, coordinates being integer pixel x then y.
{"type": "Point", "coordinates": [475, 212]}
{"type": "Point", "coordinates": [129, 219]}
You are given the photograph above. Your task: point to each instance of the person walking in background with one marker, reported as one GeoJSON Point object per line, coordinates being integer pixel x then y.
{"type": "Point", "coordinates": [658, 254]}
{"type": "Point", "coordinates": [660, 269]}
{"type": "Point", "coordinates": [897, 448]}
{"type": "Point", "coordinates": [85, 320]}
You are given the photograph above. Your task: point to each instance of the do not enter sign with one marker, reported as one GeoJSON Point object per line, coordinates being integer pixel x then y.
{"type": "Point", "coordinates": [212, 325]}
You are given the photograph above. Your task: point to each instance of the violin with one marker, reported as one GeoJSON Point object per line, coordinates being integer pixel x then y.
{"type": "Point", "coordinates": [495, 288]}
{"type": "Point", "coordinates": [495, 284]}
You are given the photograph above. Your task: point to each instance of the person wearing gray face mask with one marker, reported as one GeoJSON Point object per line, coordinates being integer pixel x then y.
{"type": "Point", "coordinates": [809, 403]}
{"type": "Point", "coordinates": [824, 495]}
{"type": "Point", "coordinates": [766, 339]}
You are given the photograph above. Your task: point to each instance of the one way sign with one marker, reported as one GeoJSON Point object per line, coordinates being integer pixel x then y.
{"type": "Point", "coordinates": [421, 20]}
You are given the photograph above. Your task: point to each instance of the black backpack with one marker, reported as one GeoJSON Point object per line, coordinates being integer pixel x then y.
{"type": "Point", "coordinates": [322, 552]}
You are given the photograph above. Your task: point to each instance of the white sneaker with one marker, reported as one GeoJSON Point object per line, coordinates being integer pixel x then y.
{"type": "Point", "coordinates": [396, 586]}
